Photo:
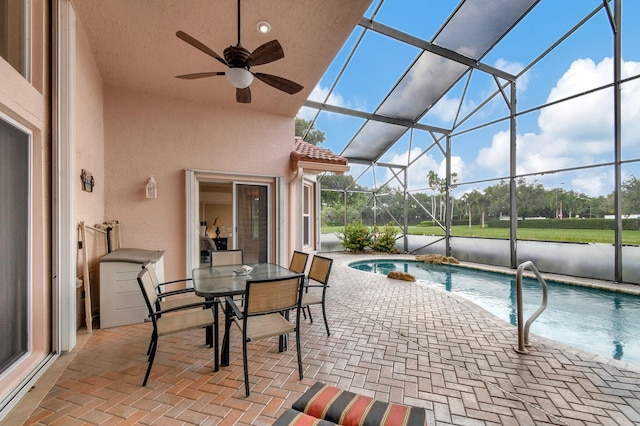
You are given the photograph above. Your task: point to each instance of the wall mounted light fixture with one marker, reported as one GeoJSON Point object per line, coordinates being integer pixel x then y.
{"type": "Point", "coordinates": [151, 190]}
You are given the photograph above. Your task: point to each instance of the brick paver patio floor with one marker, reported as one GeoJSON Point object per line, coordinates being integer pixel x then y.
{"type": "Point", "coordinates": [403, 342]}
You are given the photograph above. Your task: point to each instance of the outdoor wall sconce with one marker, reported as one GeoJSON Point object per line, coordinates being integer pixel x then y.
{"type": "Point", "coordinates": [151, 189]}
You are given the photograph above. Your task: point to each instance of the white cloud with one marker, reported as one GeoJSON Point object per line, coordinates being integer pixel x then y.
{"type": "Point", "coordinates": [577, 132]}
{"type": "Point", "coordinates": [419, 170]}
{"type": "Point", "coordinates": [591, 183]}
{"type": "Point", "coordinates": [319, 94]}
{"type": "Point", "coordinates": [446, 109]}
{"type": "Point", "coordinates": [514, 68]}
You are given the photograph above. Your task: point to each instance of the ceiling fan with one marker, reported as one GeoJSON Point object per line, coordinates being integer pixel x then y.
{"type": "Point", "coordinates": [239, 62]}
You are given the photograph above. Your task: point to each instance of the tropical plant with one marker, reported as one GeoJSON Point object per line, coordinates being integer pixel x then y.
{"type": "Point", "coordinates": [356, 236]}
{"type": "Point", "coordinates": [385, 240]}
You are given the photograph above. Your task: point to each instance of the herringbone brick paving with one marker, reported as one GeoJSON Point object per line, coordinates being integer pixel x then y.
{"type": "Point", "coordinates": [410, 343]}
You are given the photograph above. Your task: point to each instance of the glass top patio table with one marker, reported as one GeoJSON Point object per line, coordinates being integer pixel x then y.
{"type": "Point", "coordinates": [213, 282]}
{"type": "Point", "coordinates": [221, 281]}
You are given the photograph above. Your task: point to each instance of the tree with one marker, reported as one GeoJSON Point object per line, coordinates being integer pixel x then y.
{"type": "Point", "coordinates": [530, 198]}
{"type": "Point", "coordinates": [475, 202]}
{"type": "Point", "coordinates": [305, 130]}
{"type": "Point", "coordinates": [438, 184]}
{"type": "Point", "coordinates": [338, 185]}
{"type": "Point", "coordinates": [631, 196]}
{"type": "Point", "coordinates": [497, 197]}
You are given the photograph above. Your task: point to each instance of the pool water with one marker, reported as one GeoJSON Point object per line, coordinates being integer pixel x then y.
{"type": "Point", "coordinates": [598, 321]}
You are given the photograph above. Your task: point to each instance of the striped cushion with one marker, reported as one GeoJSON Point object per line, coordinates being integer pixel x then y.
{"type": "Point", "coordinates": [293, 417]}
{"type": "Point", "coordinates": [350, 409]}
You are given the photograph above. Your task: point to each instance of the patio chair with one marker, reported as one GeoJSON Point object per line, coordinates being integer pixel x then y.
{"type": "Point", "coordinates": [226, 257]}
{"type": "Point", "coordinates": [166, 299]}
{"type": "Point", "coordinates": [170, 321]}
{"type": "Point", "coordinates": [265, 314]}
{"type": "Point", "coordinates": [318, 278]}
{"type": "Point", "coordinates": [299, 262]}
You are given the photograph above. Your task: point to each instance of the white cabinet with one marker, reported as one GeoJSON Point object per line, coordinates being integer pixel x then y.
{"type": "Point", "coordinates": [121, 300]}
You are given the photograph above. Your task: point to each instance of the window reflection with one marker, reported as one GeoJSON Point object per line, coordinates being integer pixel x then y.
{"type": "Point", "coordinates": [13, 31]}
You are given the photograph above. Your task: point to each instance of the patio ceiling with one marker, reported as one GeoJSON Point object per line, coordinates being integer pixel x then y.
{"type": "Point", "coordinates": [432, 55]}
{"type": "Point", "coordinates": [134, 44]}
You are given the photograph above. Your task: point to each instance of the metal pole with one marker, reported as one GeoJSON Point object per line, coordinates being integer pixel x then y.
{"type": "Point", "coordinates": [447, 200]}
{"type": "Point", "coordinates": [617, 107]}
{"type": "Point", "coordinates": [513, 211]}
{"type": "Point", "coordinates": [406, 211]}
{"type": "Point", "coordinates": [345, 208]}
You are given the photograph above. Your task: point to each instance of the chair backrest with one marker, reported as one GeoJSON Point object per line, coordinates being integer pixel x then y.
{"type": "Point", "coordinates": [152, 273]}
{"type": "Point", "coordinates": [227, 257]}
{"type": "Point", "coordinates": [299, 262]}
{"type": "Point", "coordinates": [272, 295]}
{"type": "Point", "coordinates": [320, 269]}
{"type": "Point", "coordinates": [148, 289]}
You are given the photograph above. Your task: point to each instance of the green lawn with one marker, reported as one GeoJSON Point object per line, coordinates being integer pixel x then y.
{"type": "Point", "coordinates": [571, 235]}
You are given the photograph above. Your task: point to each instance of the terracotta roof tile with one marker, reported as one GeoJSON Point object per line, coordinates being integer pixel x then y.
{"type": "Point", "coordinates": [306, 152]}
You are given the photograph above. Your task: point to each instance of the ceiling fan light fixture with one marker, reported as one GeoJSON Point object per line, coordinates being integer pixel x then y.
{"type": "Point", "coordinates": [263, 27]}
{"type": "Point", "coordinates": [240, 78]}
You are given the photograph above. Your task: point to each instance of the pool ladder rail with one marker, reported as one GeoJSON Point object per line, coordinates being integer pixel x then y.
{"type": "Point", "coordinates": [523, 328]}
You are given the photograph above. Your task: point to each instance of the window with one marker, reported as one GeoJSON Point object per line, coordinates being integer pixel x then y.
{"type": "Point", "coordinates": [13, 34]}
{"type": "Point", "coordinates": [306, 215]}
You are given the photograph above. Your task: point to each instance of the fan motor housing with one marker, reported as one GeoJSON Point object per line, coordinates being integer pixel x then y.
{"type": "Point", "coordinates": [236, 56]}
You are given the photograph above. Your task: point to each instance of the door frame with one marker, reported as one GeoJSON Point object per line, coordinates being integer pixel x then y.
{"type": "Point", "coordinates": [193, 177]}
{"type": "Point", "coordinates": [234, 202]}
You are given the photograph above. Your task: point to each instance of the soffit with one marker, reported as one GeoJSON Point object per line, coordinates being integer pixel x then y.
{"type": "Point", "coordinates": [135, 46]}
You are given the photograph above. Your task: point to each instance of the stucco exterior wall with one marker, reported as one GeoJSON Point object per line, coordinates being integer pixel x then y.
{"type": "Point", "coordinates": [89, 130]}
{"type": "Point", "coordinates": [150, 135]}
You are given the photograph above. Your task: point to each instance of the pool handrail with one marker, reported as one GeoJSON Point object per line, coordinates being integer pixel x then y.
{"type": "Point", "coordinates": [523, 328]}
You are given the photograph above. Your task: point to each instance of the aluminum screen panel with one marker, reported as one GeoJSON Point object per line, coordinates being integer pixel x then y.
{"type": "Point", "coordinates": [472, 30]}
{"type": "Point", "coordinates": [372, 141]}
{"type": "Point", "coordinates": [427, 80]}
{"type": "Point", "coordinates": [478, 25]}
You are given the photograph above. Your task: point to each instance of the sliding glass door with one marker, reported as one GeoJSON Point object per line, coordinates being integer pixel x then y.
{"type": "Point", "coordinates": [251, 204]}
{"type": "Point", "coordinates": [247, 209]}
{"type": "Point", "coordinates": [14, 243]}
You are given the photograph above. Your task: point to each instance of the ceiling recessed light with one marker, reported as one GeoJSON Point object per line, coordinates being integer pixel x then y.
{"type": "Point", "coordinates": [263, 27]}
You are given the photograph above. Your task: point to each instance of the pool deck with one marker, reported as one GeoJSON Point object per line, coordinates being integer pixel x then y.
{"type": "Point", "coordinates": [393, 340]}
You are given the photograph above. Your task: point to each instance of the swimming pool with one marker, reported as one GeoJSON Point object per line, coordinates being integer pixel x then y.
{"type": "Point", "coordinates": [597, 321]}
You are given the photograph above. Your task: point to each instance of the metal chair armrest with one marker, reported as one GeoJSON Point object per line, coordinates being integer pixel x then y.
{"type": "Point", "coordinates": [234, 307]}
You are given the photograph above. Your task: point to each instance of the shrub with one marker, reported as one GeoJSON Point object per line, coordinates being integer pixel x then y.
{"type": "Point", "coordinates": [427, 223]}
{"type": "Point", "coordinates": [385, 240]}
{"type": "Point", "coordinates": [356, 236]}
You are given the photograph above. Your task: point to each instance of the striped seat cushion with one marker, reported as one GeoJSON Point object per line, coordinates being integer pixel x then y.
{"type": "Point", "coordinates": [293, 417]}
{"type": "Point", "coordinates": [350, 409]}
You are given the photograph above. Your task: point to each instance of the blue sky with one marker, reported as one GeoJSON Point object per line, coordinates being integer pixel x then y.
{"type": "Point", "coordinates": [568, 135]}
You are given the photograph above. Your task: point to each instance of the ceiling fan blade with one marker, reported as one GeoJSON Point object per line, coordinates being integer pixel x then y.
{"type": "Point", "coordinates": [200, 46]}
{"type": "Point", "coordinates": [279, 83]}
{"type": "Point", "coordinates": [243, 96]}
{"type": "Point", "coordinates": [268, 52]}
{"type": "Point", "coordinates": [199, 75]}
